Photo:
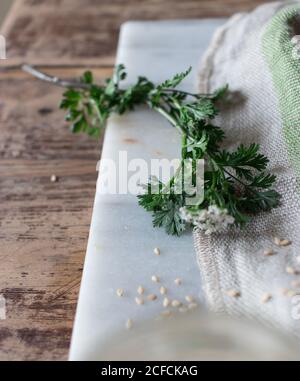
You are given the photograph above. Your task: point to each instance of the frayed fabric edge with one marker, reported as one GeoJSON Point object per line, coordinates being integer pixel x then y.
{"type": "Point", "coordinates": [209, 272]}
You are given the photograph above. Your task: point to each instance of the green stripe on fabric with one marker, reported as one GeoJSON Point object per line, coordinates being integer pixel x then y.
{"type": "Point", "coordinates": [285, 68]}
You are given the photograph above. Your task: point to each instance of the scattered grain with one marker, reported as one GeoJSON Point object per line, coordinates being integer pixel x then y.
{"type": "Point", "coordinates": [292, 293]}
{"type": "Point", "coordinates": [156, 251]}
{"type": "Point", "coordinates": [140, 290]}
{"type": "Point", "coordinates": [233, 293]}
{"type": "Point", "coordinates": [267, 297]}
{"type": "Point", "coordinates": [285, 242]}
{"type": "Point", "coordinates": [139, 301]}
{"type": "Point", "coordinates": [53, 178]}
{"type": "Point", "coordinates": [284, 291]}
{"type": "Point", "coordinates": [296, 283]}
{"type": "Point", "coordinates": [129, 324]}
{"type": "Point", "coordinates": [288, 292]}
{"type": "Point", "coordinates": [282, 242]}
{"type": "Point", "coordinates": [189, 299]}
{"type": "Point", "coordinates": [192, 306]}
{"type": "Point", "coordinates": [152, 297]}
{"type": "Point", "coordinates": [163, 290]}
{"type": "Point", "coordinates": [277, 241]}
{"type": "Point", "coordinates": [268, 252]}
{"type": "Point", "coordinates": [291, 270]}
{"type": "Point", "coordinates": [176, 303]}
{"type": "Point", "coordinates": [166, 302]}
{"type": "Point", "coordinates": [120, 292]}
{"type": "Point", "coordinates": [155, 279]}
{"type": "Point", "coordinates": [178, 281]}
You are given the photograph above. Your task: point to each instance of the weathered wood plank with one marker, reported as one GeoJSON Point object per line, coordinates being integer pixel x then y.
{"type": "Point", "coordinates": [73, 32]}
{"type": "Point", "coordinates": [44, 225]}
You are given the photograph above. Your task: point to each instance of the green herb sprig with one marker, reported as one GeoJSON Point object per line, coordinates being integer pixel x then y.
{"type": "Point", "coordinates": [236, 184]}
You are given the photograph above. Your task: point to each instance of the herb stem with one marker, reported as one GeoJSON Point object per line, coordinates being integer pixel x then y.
{"type": "Point", "coordinates": [184, 146]}
{"type": "Point", "coordinates": [55, 80]}
{"type": "Point", "coordinates": [187, 93]}
{"type": "Point", "coordinates": [96, 110]}
{"type": "Point", "coordinates": [169, 117]}
{"type": "Point", "coordinates": [249, 189]}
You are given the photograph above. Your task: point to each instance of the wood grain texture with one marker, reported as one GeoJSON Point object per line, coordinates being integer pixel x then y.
{"type": "Point", "coordinates": [68, 32]}
{"type": "Point", "coordinates": [44, 225]}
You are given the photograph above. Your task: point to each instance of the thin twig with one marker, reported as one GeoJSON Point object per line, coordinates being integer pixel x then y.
{"type": "Point", "coordinates": [55, 80]}
{"type": "Point", "coordinates": [195, 95]}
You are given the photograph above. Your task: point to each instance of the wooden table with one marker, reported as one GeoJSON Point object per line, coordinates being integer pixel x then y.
{"type": "Point", "coordinates": [44, 225]}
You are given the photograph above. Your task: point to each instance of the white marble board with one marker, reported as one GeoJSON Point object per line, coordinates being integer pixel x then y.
{"type": "Point", "coordinates": [122, 239]}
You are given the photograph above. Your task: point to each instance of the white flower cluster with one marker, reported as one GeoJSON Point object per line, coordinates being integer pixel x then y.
{"type": "Point", "coordinates": [210, 220]}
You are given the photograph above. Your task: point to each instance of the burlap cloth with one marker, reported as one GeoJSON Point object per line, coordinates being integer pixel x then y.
{"type": "Point", "coordinates": [253, 53]}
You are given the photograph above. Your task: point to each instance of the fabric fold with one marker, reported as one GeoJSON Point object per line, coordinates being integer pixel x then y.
{"type": "Point", "coordinates": [253, 54]}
